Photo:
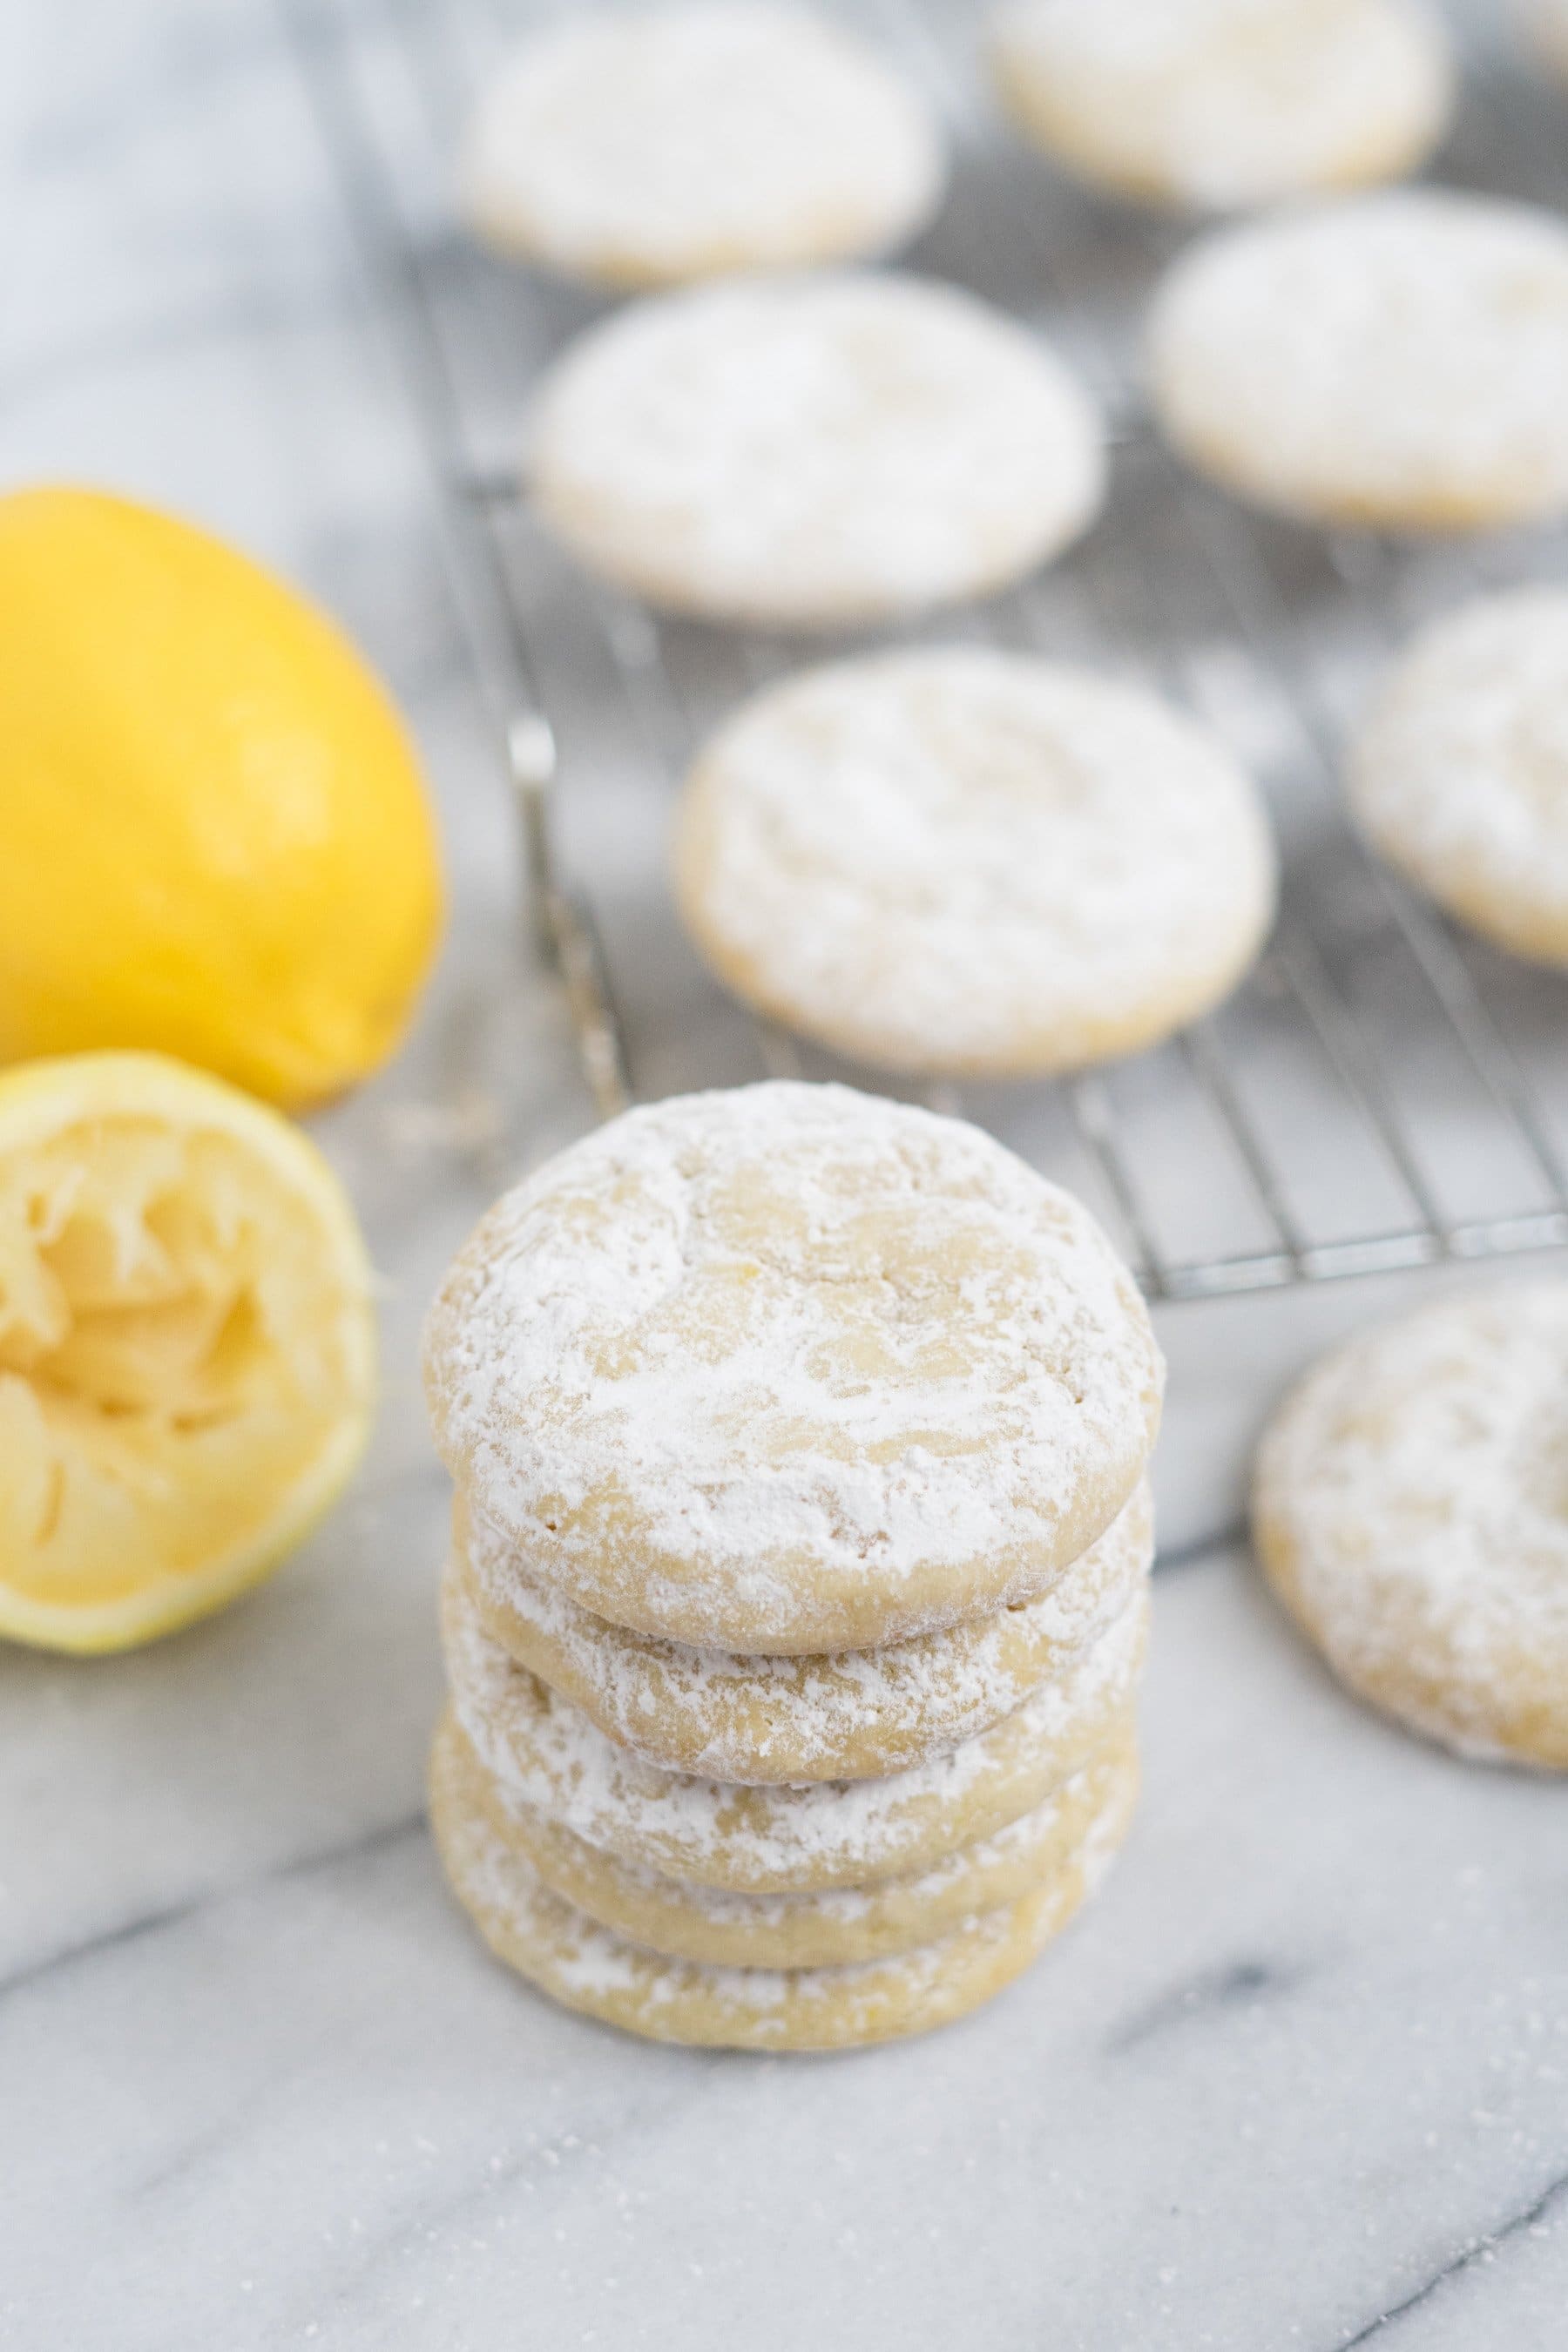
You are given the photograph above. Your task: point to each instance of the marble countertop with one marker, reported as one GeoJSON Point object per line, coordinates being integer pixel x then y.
{"type": "Point", "coordinates": [1299, 2079]}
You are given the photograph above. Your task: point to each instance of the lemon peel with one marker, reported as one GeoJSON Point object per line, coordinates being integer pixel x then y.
{"type": "Point", "coordinates": [187, 1348]}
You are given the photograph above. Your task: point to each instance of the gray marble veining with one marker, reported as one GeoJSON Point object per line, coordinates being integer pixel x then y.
{"type": "Point", "coordinates": [1299, 2079]}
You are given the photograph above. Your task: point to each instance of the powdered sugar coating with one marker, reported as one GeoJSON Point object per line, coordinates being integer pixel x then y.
{"type": "Point", "coordinates": [835, 1929]}
{"type": "Point", "coordinates": [588, 1968]}
{"type": "Point", "coordinates": [722, 134]}
{"type": "Point", "coordinates": [812, 452]}
{"type": "Point", "coordinates": [973, 863]}
{"type": "Point", "coordinates": [545, 1753]}
{"type": "Point", "coordinates": [852, 1715]}
{"type": "Point", "coordinates": [792, 1369]}
{"type": "Point", "coordinates": [1411, 1510]}
{"type": "Point", "coordinates": [1213, 104]}
{"type": "Point", "coordinates": [1459, 772]}
{"type": "Point", "coordinates": [1399, 361]}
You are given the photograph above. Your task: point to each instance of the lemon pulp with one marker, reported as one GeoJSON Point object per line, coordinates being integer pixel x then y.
{"type": "Point", "coordinates": [185, 1346]}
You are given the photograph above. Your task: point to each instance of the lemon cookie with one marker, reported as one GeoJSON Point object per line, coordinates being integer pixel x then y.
{"type": "Point", "coordinates": [568, 1954]}
{"type": "Point", "coordinates": [812, 452]}
{"type": "Point", "coordinates": [1459, 774]}
{"type": "Point", "coordinates": [973, 863]}
{"type": "Point", "coordinates": [1397, 363]}
{"type": "Point", "coordinates": [545, 1754]}
{"type": "Point", "coordinates": [1218, 104]}
{"type": "Point", "coordinates": [642, 151]}
{"type": "Point", "coordinates": [835, 1929]}
{"type": "Point", "coordinates": [856, 1714]}
{"type": "Point", "coordinates": [792, 1369]}
{"type": "Point", "coordinates": [1411, 1510]}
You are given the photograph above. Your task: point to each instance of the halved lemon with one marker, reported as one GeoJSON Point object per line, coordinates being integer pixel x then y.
{"type": "Point", "coordinates": [187, 1349]}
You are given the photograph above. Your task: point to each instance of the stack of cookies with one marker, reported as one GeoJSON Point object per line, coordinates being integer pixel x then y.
{"type": "Point", "coordinates": [796, 1602]}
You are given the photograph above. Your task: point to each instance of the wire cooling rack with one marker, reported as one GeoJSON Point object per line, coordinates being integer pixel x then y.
{"type": "Point", "coordinates": [1383, 1092]}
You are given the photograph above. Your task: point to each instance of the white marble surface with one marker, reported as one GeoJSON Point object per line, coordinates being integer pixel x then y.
{"type": "Point", "coordinates": [1300, 2078]}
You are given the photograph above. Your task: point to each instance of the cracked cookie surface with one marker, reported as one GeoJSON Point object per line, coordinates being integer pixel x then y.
{"type": "Point", "coordinates": [790, 1369]}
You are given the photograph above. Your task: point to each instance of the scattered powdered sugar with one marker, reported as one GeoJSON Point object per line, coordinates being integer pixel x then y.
{"type": "Point", "coordinates": [813, 451]}
{"type": "Point", "coordinates": [792, 1369]}
{"type": "Point", "coordinates": [712, 136]}
{"type": "Point", "coordinates": [1411, 1503]}
{"type": "Point", "coordinates": [542, 1752]}
{"type": "Point", "coordinates": [973, 862]}
{"type": "Point", "coordinates": [1460, 771]}
{"type": "Point", "coordinates": [1227, 102]}
{"type": "Point", "coordinates": [1402, 359]}
{"type": "Point", "coordinates": [729, 1717]}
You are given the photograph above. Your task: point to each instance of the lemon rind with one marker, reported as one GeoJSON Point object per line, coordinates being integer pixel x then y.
{"type": "Point", "coordinates": [35, 1099]}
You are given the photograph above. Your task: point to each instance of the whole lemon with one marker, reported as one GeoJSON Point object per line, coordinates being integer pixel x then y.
{"type": "Point", "coordinates": [213, 837]}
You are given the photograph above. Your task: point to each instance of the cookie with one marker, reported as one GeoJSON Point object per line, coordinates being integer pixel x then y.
{"type": "Point", "coordinates": [790, 1369]}
{"type": "Point", "coordinates": [1395, 362]}
{"type": "Point", "coordinates": [644, 150]}
{"type": "Point", "coordinates": [851, 1715]}
{"type": "Point", "coordinates": [835, 1929]}
{"type": "Point", "coordinates": [1411, 1511]}
{"type": "Point", "coordinates": [569, 1956]}
{"type": "Point", "coordinates": [1213, 105]}
{"type": "Point", "coordinates": [800, 1839]}
{"type": "Point", "coordinates": [812, 452]}
{"type": "Point", "coordinates": [1459, 772]}
{"type": "Point", "coordinates": [972, 863]}
{"type": "Point", "coordinates": [587, 1967]}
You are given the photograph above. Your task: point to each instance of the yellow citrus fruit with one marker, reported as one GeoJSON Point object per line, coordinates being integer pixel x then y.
{"type": "Point", "coordinates": [213, 837]}
{"type": "Point", "coordinates": [187, 1353]}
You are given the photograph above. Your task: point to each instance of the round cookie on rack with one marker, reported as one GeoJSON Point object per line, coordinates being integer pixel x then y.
{"type": "Point", "coordinates": [568, 1954]}
{"type": "Point", "coordinates": [1213, 105]}
{"type": "Point", "coordinates": [790, 1369]}
{"type": "Point", "coordinates": [1459, 771]}
{"type": "Point", "coordinates": [1411, 1510]}
{"type": "Point", "coordinates": [972, 863]}
{"type": "Point", "coordinates": [812, 452]}
{"type": "Point", "coordinates": [1393, 363]}
{"type": "Point", "coordinates": [835, 1929]}
{"type": "Point", "coordinates": [847, 1717]}
{"type": "Point", "coordinates": [544, 1754]}
{"type": "Point", "coordinates": [640, 151]}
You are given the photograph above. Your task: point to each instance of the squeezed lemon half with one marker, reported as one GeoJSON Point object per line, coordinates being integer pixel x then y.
{"type": "Point", "coordinates": [188, 1349]}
